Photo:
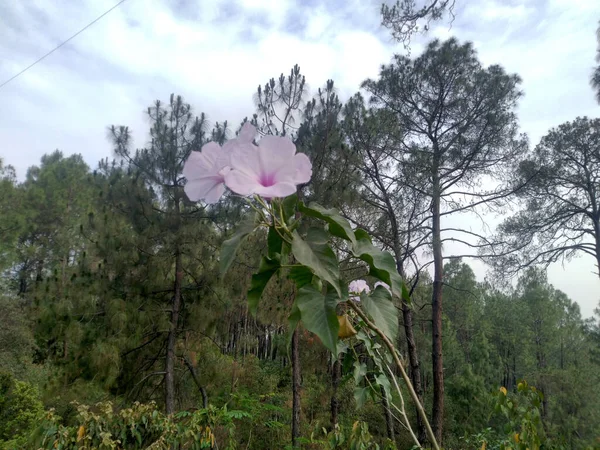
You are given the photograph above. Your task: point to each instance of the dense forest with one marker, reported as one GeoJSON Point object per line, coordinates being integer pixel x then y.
{"type": "Point", "coordinates": [120, 330]}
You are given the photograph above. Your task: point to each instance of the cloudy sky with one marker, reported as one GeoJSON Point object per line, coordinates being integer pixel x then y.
{"type": "Point", "coordinates": [216, 52]}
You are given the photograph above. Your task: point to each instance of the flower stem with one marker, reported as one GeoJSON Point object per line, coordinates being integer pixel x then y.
{"type": "Point", "coordinates": [259, 211]}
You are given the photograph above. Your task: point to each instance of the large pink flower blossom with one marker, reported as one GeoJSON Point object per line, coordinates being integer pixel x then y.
{"type": "Point", "coordinates": [273, 169]}
{"type": "Point", "coordinates": [358, 287]}
{"type": "Point", "coordinates": [205, 170]}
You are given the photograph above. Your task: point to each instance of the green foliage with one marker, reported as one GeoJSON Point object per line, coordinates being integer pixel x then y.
{"type": "Point", "coordinates": [16, 339]}
{"type": "Point", "coordinates": [355, 436]}
{"type": "Point", "coordinates": [381, 264]}
{"type": "Point", "coordinates": [522, 411]}
{"type": "Point", "coordinates": [315, 253]}
{"type": "Point", "coordinates": [231, 245]}
{"type": "Point", "coordinates": [381, 308]}
{"type": "Point", "coordinates": [318, 314]}
{"type": "Point", "coordinates": [267, 268]}
{"type": "Point", "coordinates": [337, 225]}
{"type": "Point", "coordinates": [20, 411]}
{"type": "Point", "coordinates": [142, 426]}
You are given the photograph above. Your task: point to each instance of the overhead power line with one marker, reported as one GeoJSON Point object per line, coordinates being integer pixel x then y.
{"type": "Point", "coordinates": [61, 44]}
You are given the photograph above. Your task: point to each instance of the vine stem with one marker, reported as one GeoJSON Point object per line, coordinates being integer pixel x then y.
{"type": "Point", "coordinates": [400, 366]}
{"type": "Point", "coordinates": [403, 408]}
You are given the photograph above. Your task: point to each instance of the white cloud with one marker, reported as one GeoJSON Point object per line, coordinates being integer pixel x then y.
{"type": "Point", "coordinates": [493, 10]}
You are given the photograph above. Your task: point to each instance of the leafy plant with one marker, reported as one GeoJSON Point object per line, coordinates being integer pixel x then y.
{"type": "Point", "coordinates": [141, 426]}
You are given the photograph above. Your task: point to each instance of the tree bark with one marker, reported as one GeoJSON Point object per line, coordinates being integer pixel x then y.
{"type": "Point", "coordinates": [172, 338]}
{"type": "Point", "coordinates": [173, 327]}
{"type": "Point", "coordinates": [295, 389]}
{"type": "Point", "coordinates": [411, 347]}
{"type": "Point", "coordinates": [192, 370]}
{"type": "Point", "coordinates": [597, 240]}
{"type": "Point", "coordinates": [436, 314]}
{"type": "Point", "coordinates": [415, 367]}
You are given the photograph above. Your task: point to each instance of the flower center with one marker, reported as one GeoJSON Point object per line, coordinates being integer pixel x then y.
{"type": "Point", "coordinates": [267, 179]}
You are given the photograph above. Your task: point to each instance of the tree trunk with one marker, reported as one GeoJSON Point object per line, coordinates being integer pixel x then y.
{"type": "Point", "coordinates": [411, 347]}
{"type": "Point", "coordinates": [415, 367]}
{"type": "Point", "coordinates": [192, 370]}
{"type": "Point", "coordinates": [597, 242]}
{"type": "Point", "coordinates": [436, 315]}
{"type": "Point", "coordinates": [389, 419]}
{"type": "Point", "coordinates": [295, 389]}
{"type": "Point", "coordinates": [173, 326]}
{"type": "Point", "coordinates": [172, 338]}
{"type": "Point", "coordinates": [335, 382]}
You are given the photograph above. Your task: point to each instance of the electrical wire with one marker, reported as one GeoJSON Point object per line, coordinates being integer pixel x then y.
{"type": "Point", "coordinates": [61, 44]}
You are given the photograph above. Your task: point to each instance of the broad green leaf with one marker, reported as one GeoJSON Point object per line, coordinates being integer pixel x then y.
{"type": "Point", "coordinates": [317, 283]}
{"type": "Point", "coordinates": [317, 312]}
{"type": "Point", "coordinates": [301, 275]}
{"type": "Point", "coordinates": [362, 336]}
{"type": "Point", "coordinates": [316, 254]}
{"type": "Point", "coordinates": [360, 370]}
{"type": "Point", "coordinates": [293, 320]}
{"type": "Point", "coordinates": [338, 225]}
{"type": "Point", "coordinates": [381, 264]}
{"type": "Point", "coordinates": [380, 306]}
{"type": "Point", "coordinates": [348, 362]}
{"type": "Point", "coordinates": [383, 381]}
{"type": "Point", "coordinates": [288, 205]}
{"type": "Point", "coordinates": [274, 242]}
{"type": "Point", "coordinates": [259, 281]}
{"type": "Point", "coordinates": [361, 394]}
{"type": "Point", "coordinates": [230, 246]}
{"type": "Point", "coordinates": [342, 347]}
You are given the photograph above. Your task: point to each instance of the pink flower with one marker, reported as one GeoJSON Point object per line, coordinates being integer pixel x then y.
{"type": "Point", "coordinates": [273, 169]}
{"type": "Point", "coordinates": [358, 287]}
{"type": "Point", "coordinates": [385, 285]}
{"type": "Point", "coordinates": [205, 172]}
{"type": "Point", "coordinates": [245, 136]}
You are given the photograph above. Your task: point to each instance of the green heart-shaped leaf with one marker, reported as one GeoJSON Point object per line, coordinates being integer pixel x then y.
{"type": "Point", "coordinates": [231, 245]}
{"type": "Point", "coordinates": [317, 312]}
{"type": "Point", "coordinates": [380, 306]}
{"type": "Point", "coordinates": [316, 254]}
{"type": "Point", "coordinates": [260, 280]}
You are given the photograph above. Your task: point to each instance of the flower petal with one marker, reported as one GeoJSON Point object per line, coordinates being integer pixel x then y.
{"type": "Point", "coordinates": [358, 286]}
{"type": "Point", "coordinates": [381, 283]}
{"type": "Point", "coordinates": [211, 150]}
{"type": "Point", "coordinates": [281, 189]}
{"type": "Point", "coordinates": [245, 158]}
{"type": "Point", "coordinates": [214, 194]}
{"type": "Point", "coordinates": [241, 183]}
{"type": "Point", "coordinates": [303, 168]}
{"type": "Point", "coordinates": [217, 156]}
{"type": "Point", "coordinates": [275, 152]}
{"type": "Point", "coordinates": [195, 165]}
{"type": "Point", "coordinates": [247, 133]}
{"type": "Point", "coordinates": [199, 188]}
